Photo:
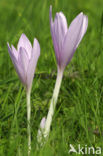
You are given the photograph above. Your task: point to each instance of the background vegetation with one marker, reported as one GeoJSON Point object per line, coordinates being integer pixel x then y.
{"type": "Point", "coordinates": [79, 113]}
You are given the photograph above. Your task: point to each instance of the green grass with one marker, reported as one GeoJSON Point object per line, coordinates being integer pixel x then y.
{"type": "Point", "coordinates": [78, 117]}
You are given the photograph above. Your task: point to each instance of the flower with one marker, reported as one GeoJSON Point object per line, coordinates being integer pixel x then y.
{"type": "Point", "coordinates": [42, 126]}
{"type": "Point", "coordinates": [42, 123]}
{"type": "Point", "coordinates": [66, 40]}
{"type": "Point", "coordinates": [25, 59]}
{"type": "Point", "coordinates": [40, 131]}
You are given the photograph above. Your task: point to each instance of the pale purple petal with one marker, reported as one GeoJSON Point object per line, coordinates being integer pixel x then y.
{"type": "Point", "coordinates": [23, 62]}
{"type": "Point", "coordinates": [15, 52]}
{"type": "Point", "coordinates": [33, 62]}
{"type": "Point", "coordinates": [63, 24]}
{"type": "Point", "coordinates": [84, 28]}
{"type": "Point", "coordinates": [20, 73]}
{"type": "Point", "coordinates": [17, 66]}
{"type": "Point", "coordinates": [53, 36]}
{"type": "Point", "coordinates": [58, 31]}
{"type": "Point", "coordinates": [11, 53]}
{"type": "Point", "coordinates": [25, 43]}
{"type": "Point", "coordinates": [71, 39]}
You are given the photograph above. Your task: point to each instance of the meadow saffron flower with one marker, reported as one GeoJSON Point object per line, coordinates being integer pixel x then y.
{"type": "Point", "coordinates": [25, 60]}
{"type": "Point", "coordinates": [40, 131]}
{"type": "Point", "coordinates": [65, 41]}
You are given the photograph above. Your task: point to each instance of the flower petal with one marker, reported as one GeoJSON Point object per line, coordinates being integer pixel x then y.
{"type": "Point", "coordinates": [84, 28]}
{"type": "Point", "coordinates": [12, 55]}
{"type": "Point", "coordinates": [71, 39]}
{"type": "Point", "coordinates": [17, 66]}
{"type": "Point", "coordinates": [33, 62]}
{"type": "Point", "coordinates": [15, 52]}
{"type": "Point", "coordinates": [58, 31]}
{"type": "Point", "coordinates": [23, 62]}
{"type": "Point", "coordinates": [25, 43]}
{"type": "Point", "coordinates": [53, 36]}
{"type": "Point", "coordinates": [63, 24]}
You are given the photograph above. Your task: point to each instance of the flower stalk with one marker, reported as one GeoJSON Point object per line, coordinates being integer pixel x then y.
{"type": "Point", "coordinates": [53, 102]}
{"type": "Point", "coordinates": [28, 92]}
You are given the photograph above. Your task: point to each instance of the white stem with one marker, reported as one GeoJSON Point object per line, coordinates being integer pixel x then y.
{"type": "Point", "coordinates": [28, 120]}
{"type": "Point", "coordinates": [53, 103]}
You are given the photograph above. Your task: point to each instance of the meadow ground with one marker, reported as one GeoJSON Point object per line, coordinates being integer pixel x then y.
{"type": "Point", "coordinates": [78, 117]}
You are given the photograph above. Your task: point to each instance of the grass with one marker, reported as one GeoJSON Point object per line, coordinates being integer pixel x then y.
{"type": "Point", "coordinates": [78, 117]}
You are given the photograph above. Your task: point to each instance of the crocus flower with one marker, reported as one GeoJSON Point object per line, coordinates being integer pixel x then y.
{"type": "Point", "coordinates": [40, 131]}
{"type": "Point", "coordinates": [25, 58]}
{"type": "Point", "coordinates": [66, 41]}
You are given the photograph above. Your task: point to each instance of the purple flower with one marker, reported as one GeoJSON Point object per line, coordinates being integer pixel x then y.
{"type": "Point", "coordinates": [41, 130]}
{"type": "Point", "coordinates": [25, 59]}
{"type": "Point", "coordinates": [42, 123]}
{"type": "Point", "coordinates": [66, 40]}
